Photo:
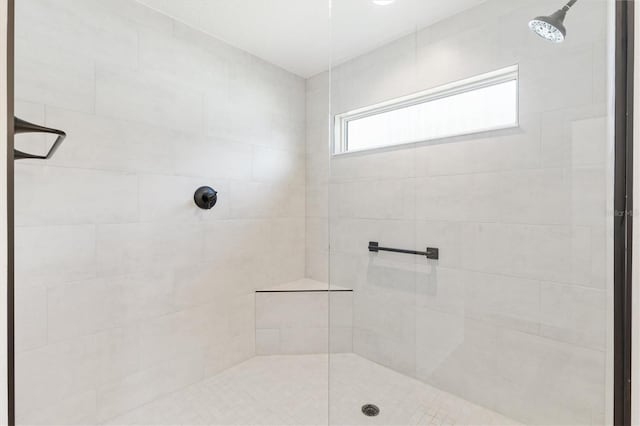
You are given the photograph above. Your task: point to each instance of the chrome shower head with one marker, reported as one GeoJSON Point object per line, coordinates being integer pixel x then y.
{"type": "Point", "coordinates": [551, 27]}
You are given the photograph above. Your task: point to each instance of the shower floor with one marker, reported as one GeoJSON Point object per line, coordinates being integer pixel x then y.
{"type": "Point", "coordinates": [293, 389]}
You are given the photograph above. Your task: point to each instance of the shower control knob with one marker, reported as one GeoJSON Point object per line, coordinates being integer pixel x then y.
{"type": "Point", "coordinates": [205, 197]}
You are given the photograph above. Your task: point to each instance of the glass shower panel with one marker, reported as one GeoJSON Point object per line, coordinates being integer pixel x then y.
{"type": "Point", "coordinates": [511, 323]}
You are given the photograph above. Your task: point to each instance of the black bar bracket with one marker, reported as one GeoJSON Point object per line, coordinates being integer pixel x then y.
{"type": "Point", "coordinates": [431, 252]}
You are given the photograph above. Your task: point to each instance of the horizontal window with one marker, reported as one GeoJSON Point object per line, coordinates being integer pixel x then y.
{"type": "Point", "coordinates": [479, 104]}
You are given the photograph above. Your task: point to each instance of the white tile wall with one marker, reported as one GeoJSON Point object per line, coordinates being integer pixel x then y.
{"type": "Point", "coordinates": [125, 290]}
{"type": "Point", "coordinates": [513, 314]}
{"type": "Point", "coordinates": [96, 196]}
{"type": "Point", "coordinates": [71, 80]}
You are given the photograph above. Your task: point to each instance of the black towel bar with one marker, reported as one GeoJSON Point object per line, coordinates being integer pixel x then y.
{"type": "Point", "coordinates": [21, 126]}
{"type": "Point", "coordinates": [431, 253]}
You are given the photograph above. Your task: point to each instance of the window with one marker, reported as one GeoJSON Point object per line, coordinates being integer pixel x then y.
{"type": "Point", "coordinates": [482, 103]}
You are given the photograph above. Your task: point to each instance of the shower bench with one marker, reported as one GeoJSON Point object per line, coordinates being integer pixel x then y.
{"type": "Point", "coordinates": [303, 317]}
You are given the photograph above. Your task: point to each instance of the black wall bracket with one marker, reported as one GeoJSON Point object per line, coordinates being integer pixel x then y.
{"type": "Point", "coordinates": [205, 197]}
{"type": "Point", "coordinates": [22, 126]}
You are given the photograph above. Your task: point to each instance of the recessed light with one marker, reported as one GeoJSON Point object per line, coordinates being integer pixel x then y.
{"type": "Point", "coordinates": [383, 2]}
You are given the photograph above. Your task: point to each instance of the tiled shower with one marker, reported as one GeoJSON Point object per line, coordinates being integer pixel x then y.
{"type": "Point", "coordinates": [134, 306]}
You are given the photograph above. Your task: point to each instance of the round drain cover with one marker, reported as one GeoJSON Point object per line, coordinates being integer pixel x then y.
{"type": "Point", "coordinates": [370, 410]}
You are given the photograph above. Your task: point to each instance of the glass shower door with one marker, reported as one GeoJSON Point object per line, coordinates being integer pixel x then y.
{"type": "Point", "coordinates": [510, 324]}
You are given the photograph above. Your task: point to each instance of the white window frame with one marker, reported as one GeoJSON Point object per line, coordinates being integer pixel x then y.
{"type": "Point", "coordinates": [341, 137]}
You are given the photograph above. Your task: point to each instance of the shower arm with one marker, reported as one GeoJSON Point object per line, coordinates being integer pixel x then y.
{"type": "Point", "coordinates": [22, 126]}
{"type": "Point", "coordinates": [569, 5]}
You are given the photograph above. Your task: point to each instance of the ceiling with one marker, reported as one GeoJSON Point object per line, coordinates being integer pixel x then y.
{"type": "Point", "coordinates": [295, 34]}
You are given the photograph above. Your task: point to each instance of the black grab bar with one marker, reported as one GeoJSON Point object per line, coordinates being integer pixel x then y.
{"type": "Point", "coordinates": [431, 253]}
{"type": "Point", "coordinates": [21, 126]}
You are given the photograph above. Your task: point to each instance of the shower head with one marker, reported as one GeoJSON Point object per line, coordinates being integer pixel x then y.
{"type": "Point", "coordinates": [552, 27]}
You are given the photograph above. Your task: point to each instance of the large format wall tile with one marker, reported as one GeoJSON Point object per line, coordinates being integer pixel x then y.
{"type": "Point", "coordinates": [54, 254]}
{"type": "Point", "coordinates": [90, 30]}
{"type": "Point", "coordinates": [51, 375]}
{"type": "Point", "coordinates": [70, 82]}
{"type": "Point", "coordinates": [101, 143]}
{"type": "Point", "coordinates": [31, 315]}
{"type": "Point", "coordinates": [148, 97]}
{"type": "Point", "coordinates": [90, 306]}
{"type": "Point", "coordinates": [573, 314]}
{"type": "Point", "coordinates": [72, 196]}
{"type": "Point", "coordinates": [127, 248]}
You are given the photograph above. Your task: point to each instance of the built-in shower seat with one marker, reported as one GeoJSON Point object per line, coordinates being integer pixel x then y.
{"type": "Point", "coordinates": [303, 317]}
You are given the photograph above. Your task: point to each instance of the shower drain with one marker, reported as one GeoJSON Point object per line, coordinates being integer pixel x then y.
{"type": "Point", "coordinates": [370, 410]}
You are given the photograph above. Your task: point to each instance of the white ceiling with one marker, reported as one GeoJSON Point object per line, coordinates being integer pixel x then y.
{"type": "Point", "coordinates": [295, 34]}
